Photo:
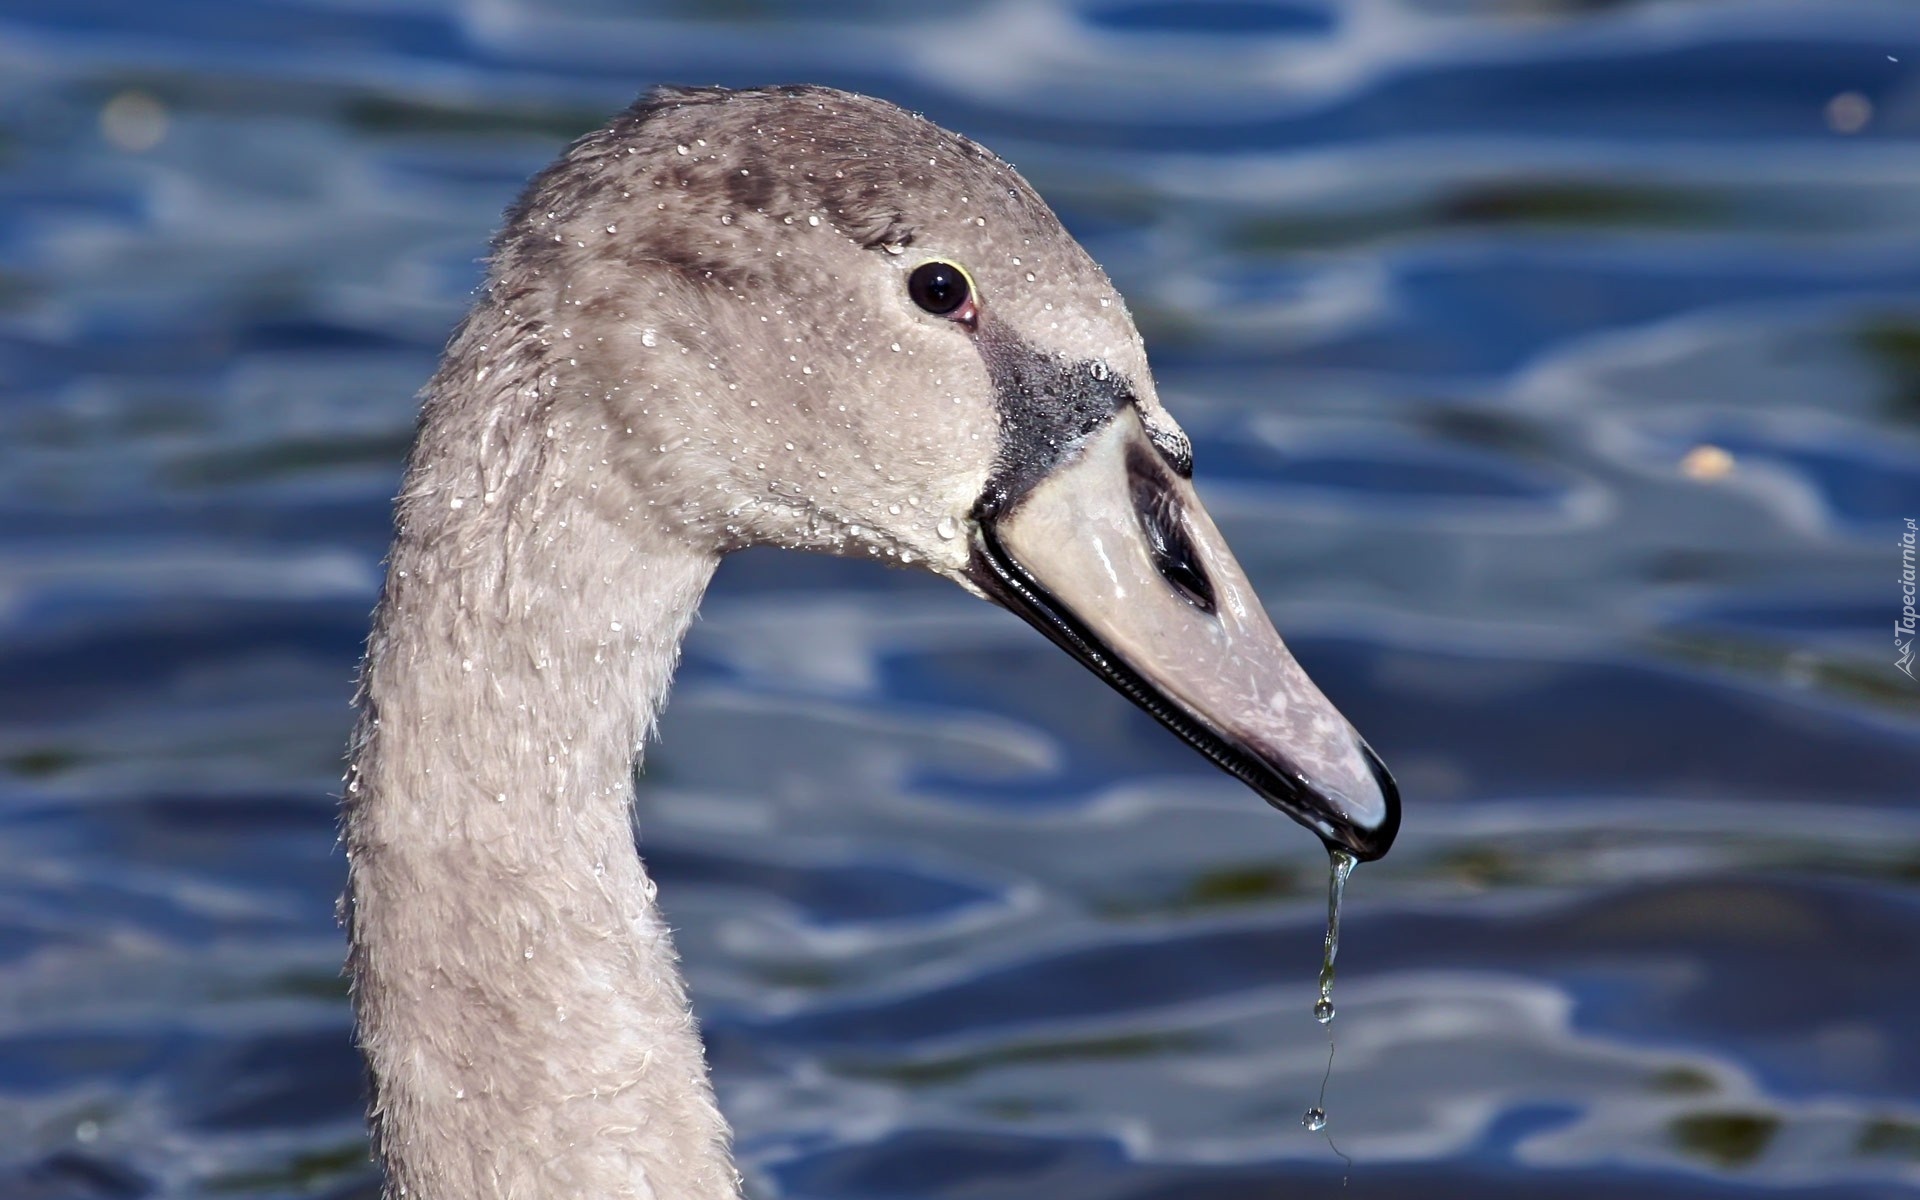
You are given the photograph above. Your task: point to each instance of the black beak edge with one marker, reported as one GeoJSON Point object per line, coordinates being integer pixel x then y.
{"type": "Point", "coordinates": [1003, 580]}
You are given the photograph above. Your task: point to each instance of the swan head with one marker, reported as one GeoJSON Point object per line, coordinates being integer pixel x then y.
{"type": "Point", "coordinates": [810, 319]}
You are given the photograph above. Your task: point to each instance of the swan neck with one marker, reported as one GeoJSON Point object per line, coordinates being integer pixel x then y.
{"type": "Point", "coordinates": [518, 996]}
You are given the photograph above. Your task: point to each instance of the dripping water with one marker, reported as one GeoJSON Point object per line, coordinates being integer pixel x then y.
{"type": "Point", "coordinates": [1340, 865]}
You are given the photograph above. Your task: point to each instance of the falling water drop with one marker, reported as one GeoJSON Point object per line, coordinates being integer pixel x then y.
{"type": "Point", "coordinates": [1340, 866]}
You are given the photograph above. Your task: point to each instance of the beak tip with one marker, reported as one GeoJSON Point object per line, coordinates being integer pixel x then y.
{"type": "Point", "coordinates": [1372, 841]}
{"type": "Point", "coordinates": [1361, 818]}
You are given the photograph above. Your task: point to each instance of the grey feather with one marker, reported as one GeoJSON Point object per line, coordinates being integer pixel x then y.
{"type": "Point", "coordinates": [694, 337]}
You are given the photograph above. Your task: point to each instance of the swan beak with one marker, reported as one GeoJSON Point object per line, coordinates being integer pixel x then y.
{"type": "Point", "coordinates": [1111, 555]}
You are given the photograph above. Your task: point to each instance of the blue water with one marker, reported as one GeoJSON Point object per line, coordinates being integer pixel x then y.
{"type": "Point", "coordinates": [1445, 290]}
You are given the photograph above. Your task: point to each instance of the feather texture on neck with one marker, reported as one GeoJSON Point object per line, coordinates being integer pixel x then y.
{"type": "Point", "coordinates": [519, 1002]}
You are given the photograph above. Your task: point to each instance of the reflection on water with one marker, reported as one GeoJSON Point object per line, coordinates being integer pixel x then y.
{"type": "Point", "coordinates": [1454, 296]}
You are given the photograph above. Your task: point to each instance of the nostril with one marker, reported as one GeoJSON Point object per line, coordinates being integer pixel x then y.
{"type": "Point", "coordinates": [1186, 575]}
{"type": "Point", "coordinates": [1164, 522]}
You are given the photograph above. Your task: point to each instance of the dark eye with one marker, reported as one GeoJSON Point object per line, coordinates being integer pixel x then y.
{"type": "Point", "coordinates": [940, 288]}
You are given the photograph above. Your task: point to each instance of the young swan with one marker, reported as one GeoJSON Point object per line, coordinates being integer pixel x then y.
{"type": "Point", "coordinates": [786, 316]}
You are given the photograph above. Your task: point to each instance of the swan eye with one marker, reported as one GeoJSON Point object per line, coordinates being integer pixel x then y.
{"type": "Point", "coordinates": [942, 289]}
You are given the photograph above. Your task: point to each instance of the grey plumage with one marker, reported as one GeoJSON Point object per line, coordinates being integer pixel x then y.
{"type": "Point", "coordinates": [684, 295]}
{"type": "Point", "coordinates": [695, 336]}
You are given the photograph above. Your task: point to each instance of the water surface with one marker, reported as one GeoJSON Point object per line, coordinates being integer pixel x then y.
{"type": "Point", "coordinates": [1446, 292]}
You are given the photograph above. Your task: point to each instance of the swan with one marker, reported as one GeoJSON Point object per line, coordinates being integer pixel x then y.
{"type": "Point", "coordinates": [785, 316]}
